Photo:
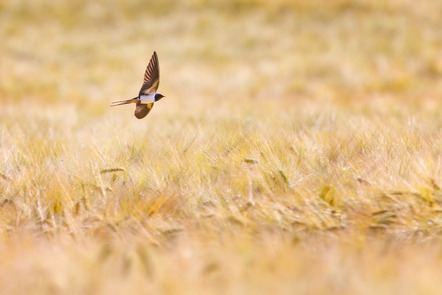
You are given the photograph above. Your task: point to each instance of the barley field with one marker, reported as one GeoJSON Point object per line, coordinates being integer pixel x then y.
{"type": "Point", "coordinates": [298, 149]}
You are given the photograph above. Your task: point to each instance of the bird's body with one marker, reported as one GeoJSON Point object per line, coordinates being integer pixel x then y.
{"type": "Point", "coordinates": [148, 95]}
{"type": "Point", "coordinates": [147, 98]}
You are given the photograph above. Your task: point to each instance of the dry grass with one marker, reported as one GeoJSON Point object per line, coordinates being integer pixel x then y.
{"type": "Point", "coordinates": [298, 150]}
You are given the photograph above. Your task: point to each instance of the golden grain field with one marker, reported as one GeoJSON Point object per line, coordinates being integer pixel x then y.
{"type": "Point", "coordinates": [298, 149]}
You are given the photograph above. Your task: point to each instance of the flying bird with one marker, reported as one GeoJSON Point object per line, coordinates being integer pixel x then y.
{"type": "Point", "coordinates": [148, 93]}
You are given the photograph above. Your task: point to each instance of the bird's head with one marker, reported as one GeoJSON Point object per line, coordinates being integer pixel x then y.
{"type": "Point", "coordinates": [158, 96]}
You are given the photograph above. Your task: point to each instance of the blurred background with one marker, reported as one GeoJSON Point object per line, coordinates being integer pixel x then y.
{"type": "Point", "coordinates": [298, 147]}
{"type": "Point", "coordinates": [82, 54]}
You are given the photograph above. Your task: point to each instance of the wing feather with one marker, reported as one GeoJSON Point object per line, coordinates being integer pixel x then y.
{"type": "Point", "coordinates": [142, 110]}
{"type": "Point", "coordinates": [151, 76]}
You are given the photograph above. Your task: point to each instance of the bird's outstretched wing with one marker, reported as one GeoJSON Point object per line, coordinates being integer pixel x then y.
{"type": "Point", "coordinates": [151, 76]}
{"type": "Point", "coordinates": [142, 110]}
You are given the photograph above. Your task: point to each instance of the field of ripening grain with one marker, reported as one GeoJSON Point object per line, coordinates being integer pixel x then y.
{"type": "Point", "coordinates": [298, 149]}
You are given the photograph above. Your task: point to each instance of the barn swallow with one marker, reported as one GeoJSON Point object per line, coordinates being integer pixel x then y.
{"type": "Point", "coordinates": [148, 93]}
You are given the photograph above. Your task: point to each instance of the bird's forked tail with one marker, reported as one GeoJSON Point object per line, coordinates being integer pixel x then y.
{"type": "Point", "coordinates": [121, 102]}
